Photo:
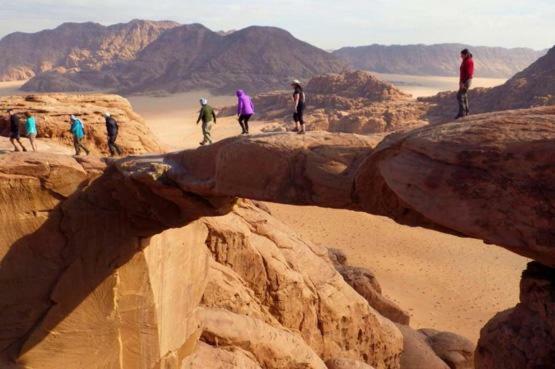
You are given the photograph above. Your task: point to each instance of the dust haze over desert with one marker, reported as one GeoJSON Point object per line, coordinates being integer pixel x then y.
{"type": "Point", "coordinates": [389, 204]}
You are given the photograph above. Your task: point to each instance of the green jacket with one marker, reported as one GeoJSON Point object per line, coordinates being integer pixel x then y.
{"type": "Point", "coordinates": [206, 114]}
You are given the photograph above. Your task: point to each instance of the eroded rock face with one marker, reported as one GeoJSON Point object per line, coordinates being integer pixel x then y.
{"type": "Point", "coordinates": [52, 113]}
{"type": "Point", "coordinates": [366, 284]}
{"type": "Point", "coordinates": [523, 337]}
{"type": "Point", "coordinates": [456, 351]}
{"type": "Point", "coordinates": [352, 102]}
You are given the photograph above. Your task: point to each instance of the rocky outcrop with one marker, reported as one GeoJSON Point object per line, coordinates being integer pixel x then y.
{"type": "Point", "coordinates": [352, 102]}
{"type": "Point", "coordinates": [532, 87]}
{"type": "Point", "coordinates": [437, 60]}
{"type": "Point", "coordinates": [194, 57]}
{"type": "Point", "coordinates": [366, 284]}
{"type": "Point", "coordinates": [442, 177]}
{"type": "Point", "coordinates": [52, 113]}
{"type": "Point", "coordinates": [455, 350]}
{"type": "Point", "coordinates": [417, 354]}
{"type": "Point", "coordinates": [74, 47]}
{"type": "Point", "coordinates": [523, 337]}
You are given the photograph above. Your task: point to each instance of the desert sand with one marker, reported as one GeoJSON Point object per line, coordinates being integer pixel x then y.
{"type": "Point", "coordinates": [445, 282]}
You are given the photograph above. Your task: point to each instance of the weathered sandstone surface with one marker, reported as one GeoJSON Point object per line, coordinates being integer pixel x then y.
{"type": "Point", "coordinates": [351, 102]}
{"type": "Point", "coordinates": [52, 113]}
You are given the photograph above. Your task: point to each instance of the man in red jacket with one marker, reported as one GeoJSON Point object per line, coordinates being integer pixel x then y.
{"type": "Point", "coordinates": [467, 73]}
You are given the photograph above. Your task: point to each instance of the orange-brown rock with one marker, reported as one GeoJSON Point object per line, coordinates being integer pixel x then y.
{"type": "Point", "coordinates": [417, 354]}
{"type": "Point", "coordinates": [366, 284]}
{"type": "Point", "coordinates": [456, 351]}
{"type": "Point", "coordinates": [523, 337]}
{"type": "Point", "coordinates": [533, 87]}
{"type": "Point", "coordinates": [352, 102]}
{"type": "Point", "coordinates": [52, 113]}
{"type": "Point", "coordinates": [346, 364]}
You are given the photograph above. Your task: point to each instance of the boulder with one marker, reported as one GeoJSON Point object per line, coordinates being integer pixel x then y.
{"type": "Point", "coordinates": [455, 350]}
{"type": "Point", "coordinates": [417, 354]}
{"type": "Point", "coordinates": [206, 356]}
{"type": "Point", "coordinates": [523, 337]}
{"type": "Point", "coordinates": [52, 114]}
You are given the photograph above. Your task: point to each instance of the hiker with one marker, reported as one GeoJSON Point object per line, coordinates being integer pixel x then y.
{"type": "Point", "coordinates": [14, 131]}
{"type": "Point", "coordinates": [299, 105]}
{"type": "Point", "coordinates": [207, 115]}
{"type": "Point", "coordinates": [245, 110]}
{"type": "Point", "coordinates": [112, 129]}
{"type": "Point", "coordinates": [31, 129]}
{"type": "Point", "coordinates": [467, 73]}
{"type": "Point", "coordinates": [78, 131]}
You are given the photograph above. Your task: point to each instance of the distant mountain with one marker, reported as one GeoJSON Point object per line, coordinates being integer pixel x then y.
{"type": "Point", "coordinates": [437, 60]}
{"type": "Point", "coordinates": [75, 47]}
{"type": "Point", "coordinates": [534, 86]}
{"type": "Point", "coordinates": [194, 57]}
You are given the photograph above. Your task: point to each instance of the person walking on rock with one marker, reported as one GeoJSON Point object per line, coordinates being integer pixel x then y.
{"type": "Point", "coordinates": [208, 117]}
{"type": "Point", "coordinates": [245, 110]}
{"type": "Point", "coordinates": [467, 73]}
{"type": "Point", "coordinates": [14, 131]}
{"type": "Point", "coordinates": [31, 129]}
{"type": "Point", "coordinates": [112, 129]}
{"type": "Point", "coordinates": [78, 131]}
{"type": "Point", "coordinates": [299, 98]}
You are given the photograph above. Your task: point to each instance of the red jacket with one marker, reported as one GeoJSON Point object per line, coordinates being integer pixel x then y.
{"type": "Point", "coordinates": [467, 69]}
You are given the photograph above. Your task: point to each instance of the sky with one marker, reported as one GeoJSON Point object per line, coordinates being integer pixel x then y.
{"type": "Point", "coordinates": [329, 24]}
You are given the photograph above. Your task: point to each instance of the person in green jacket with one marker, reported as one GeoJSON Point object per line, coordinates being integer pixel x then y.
{"type": "Point", "coordinates": [31, 129]}
{"type": "Point", "coordinates": [208, 117]}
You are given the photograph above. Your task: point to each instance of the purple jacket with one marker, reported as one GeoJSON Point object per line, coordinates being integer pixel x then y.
{"type": "Point", "coordinates": [244, 103]}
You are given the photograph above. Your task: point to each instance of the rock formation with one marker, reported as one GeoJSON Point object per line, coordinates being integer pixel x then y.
{"type": "Point", "coordinates": [365, 283]}
{"type": "Point", "coordinates": [523, 337]}
{"type": "Point", "coordinates": [437, 60]}
{"type": "Point", "coordinates": [193, 57]}
{"type": "Point", "coordinates": [352, 102]}
{"type": "Point", "coordinates": [74, 47]}
{"type": "Point", "coordinates": [52, 114]}
{"type": "Point", "coordinates": [146, 257]}
{"type": "Point", "coordinates": [533, 87]}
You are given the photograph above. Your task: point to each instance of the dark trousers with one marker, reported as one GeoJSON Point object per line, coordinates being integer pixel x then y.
{"type": "Point", "coordinates": [244, 122]}
{"type": "Point", "coordinates": [462, 98]}
{"type": "Point", "coordinates": [79, 145]}
{"type": "Point", "coordinates": [114, 148]}
{"type": "Point", "coordinates": [298, 116]}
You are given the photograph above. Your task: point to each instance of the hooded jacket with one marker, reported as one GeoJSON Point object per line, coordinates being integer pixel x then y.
{"type": "Point", "coordinates": [244, 103]}
{"type": "Point", "coordinates": [77, 129]}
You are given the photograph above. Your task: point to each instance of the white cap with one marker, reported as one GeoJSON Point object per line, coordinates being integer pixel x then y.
{"type": "Point", "coordinates": [73, 117]}
{"type": "Point", "coordinates": [296, 82]}
{"type": "Point", "coordinates": [203, 101]}
{"type": "Point", "coordinates": [107, 115]}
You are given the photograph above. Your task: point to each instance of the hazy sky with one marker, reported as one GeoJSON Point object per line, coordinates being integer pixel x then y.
{"type": "Point", "coordinates": [326, 23]}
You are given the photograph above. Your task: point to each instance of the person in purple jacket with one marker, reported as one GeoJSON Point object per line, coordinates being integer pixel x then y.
{"type": "Point", "coordinates": [245, 110]}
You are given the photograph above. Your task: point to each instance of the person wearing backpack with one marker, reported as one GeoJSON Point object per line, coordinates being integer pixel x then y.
{"type": "Point", "coordinates": [78, 131]}
{"type": "Point", "coordinates": [245, 110]}
{"type": "Point", "coordinates": [14, 131]}
{"type": "Point", "coordinates": [112, 129]}
{"type": "Point", "coordinates": [299, 103]}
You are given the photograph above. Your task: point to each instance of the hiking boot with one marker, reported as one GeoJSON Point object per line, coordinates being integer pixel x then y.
{"type": "Point", "coordinates": [295, 129]}
{"type": "Point", "coordinates": [301, 132]}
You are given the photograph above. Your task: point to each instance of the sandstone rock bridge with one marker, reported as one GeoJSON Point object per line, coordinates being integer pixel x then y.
{"type": "Point", "coordinates": [491, 177]}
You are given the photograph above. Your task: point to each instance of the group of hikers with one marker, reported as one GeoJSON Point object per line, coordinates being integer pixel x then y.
{"type": "Point", "coordinates": [245, 111]}
{"type": "Point", "coordinates": [207, 114]}
{"type": "Point", "coordinates": [76, 127]}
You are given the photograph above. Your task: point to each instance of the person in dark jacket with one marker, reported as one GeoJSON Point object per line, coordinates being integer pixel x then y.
{"type": "Point", "coordinates": [465, 82]}
{"type": "Point", "coordinates": [299, 106]}
{"type": "Point", "coordinates": [245, 110]}
{"type": "Point", "coordinates": [208, 117]}
{"type": "Point", "coordinates": [14, 131]}
{"type": "Point", "coordinates": [112, 129]}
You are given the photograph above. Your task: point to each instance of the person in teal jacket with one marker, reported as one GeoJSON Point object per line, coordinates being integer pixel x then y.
{"type": "Point", "coordinates": [31, 129]}
{"type": "Point", "coordinates": [78, 131]}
